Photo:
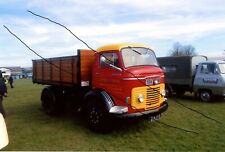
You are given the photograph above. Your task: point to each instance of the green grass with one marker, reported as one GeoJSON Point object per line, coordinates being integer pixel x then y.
{"type": "Point", "coordinates": [29, 128]}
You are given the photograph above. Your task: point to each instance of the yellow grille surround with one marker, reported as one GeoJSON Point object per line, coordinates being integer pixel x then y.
{"type": "Point", "coordinates": [152, 97]}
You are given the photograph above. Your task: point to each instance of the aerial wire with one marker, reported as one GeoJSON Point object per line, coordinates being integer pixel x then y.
{"type": "Point", "coordinates": [106, 58]}
{"type": "Point", "coordinates": [50, 20]}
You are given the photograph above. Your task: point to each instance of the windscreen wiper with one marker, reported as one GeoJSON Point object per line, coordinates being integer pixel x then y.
{"type": "Point", "coordinates": [134, 50]}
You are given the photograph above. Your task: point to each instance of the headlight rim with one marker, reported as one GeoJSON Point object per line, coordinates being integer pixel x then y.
{"type": "Point", "coordinates": [141, 98]}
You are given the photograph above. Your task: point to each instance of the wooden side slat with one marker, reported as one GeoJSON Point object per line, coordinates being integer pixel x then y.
{"type": "Point", "coordinates": [46, 70]}
{"type": "Point", "coordinates": [86, 61]}
{"type": "Point", "coordinates": [57, 71]}
{"type": "Point", "coordinates": [66, 73]}
{"type": "Point", "coordinates": [39, 70]}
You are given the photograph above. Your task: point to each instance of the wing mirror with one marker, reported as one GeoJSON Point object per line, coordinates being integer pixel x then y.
{"type": "Point", "coordinates": [109, 63]}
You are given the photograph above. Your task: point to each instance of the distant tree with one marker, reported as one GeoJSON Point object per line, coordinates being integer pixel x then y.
{"type": "Point", "coordinates": [182, 50]}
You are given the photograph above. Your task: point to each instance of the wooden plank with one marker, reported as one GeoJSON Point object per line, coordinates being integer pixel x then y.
{"type": "Point", "coordinates": [56, 70]}
{"type": "Point", "coordinates": [39, 70]}
{"type": "Point", "coordinates": [87, 58]}
{"type": "Point", "coordinates": [75, 69]}
{"type": "Point", "coordinates": [66, 71]}
{"type": "Point", "coordinates": [46, 70]}
{"type": "Point", "coordinates": [34, 71]}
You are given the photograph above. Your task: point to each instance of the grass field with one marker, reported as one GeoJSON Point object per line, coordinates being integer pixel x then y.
{"type": "Point", "coordinates": [29, 128]}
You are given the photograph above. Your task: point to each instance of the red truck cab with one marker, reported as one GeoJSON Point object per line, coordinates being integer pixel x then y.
{"type": "Point", "coordinates": [130, 77]}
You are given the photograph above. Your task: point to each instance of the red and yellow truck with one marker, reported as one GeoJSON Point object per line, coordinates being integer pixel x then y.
{"type": "Point", "coordinates": [119, 80]}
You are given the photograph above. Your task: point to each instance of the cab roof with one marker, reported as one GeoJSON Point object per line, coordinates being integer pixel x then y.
{"type": "Point", "coordinates": [214, 61]}
{"type": "Point", "coordinates": [119, 46]}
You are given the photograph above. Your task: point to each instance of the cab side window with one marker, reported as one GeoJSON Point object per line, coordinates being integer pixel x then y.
{"type": "Point", "coordinates": [108, 58]}
{"type": "Point", "coordinates": [169, 68]}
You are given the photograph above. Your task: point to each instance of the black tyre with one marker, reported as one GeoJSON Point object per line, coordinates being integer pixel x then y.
{"type": "Point", "coordinates": [50, 101]}
{"type": "Point", "coordinates": [97, 116]}
{"type": "Point", "coordinates": [168, 91]}
{"type": "Point", "coordinates": [196, 95]}
{"type": "Point", "coordinates": [205, 96]}
{"type": "Point", "coordinates": [180, 92]}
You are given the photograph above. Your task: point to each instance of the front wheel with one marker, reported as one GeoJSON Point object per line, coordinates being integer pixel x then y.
{"type": "Point", "coordinates": [206, 96]}
{"type": "Point", "coordinates": [97, 117]}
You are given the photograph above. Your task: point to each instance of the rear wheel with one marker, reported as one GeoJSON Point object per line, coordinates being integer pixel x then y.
{"type": "Point", "coordinates": [205, 96]}
{"type": "Point", "coordinates": [97, 116]}
{"type": "Point", "coordinates": [51, 101]}
{"type": "Point", "coordinates": [180, 92]}
{"type": "Point", "coordinates": [168, 91]}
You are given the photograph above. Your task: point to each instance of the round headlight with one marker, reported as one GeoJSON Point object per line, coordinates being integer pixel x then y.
{"type": "Point", "coordinates": [141, 98]}
{"type": "Point", "coordinates": [163, 92]}
{"type": "Point", "coordinates": [156, 81]}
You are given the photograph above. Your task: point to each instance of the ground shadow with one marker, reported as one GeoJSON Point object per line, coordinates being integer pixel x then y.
{"type": "Point", "coordinates": [188, 97]}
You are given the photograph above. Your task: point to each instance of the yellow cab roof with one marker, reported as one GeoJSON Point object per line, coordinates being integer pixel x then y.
{"type": "Point", "coordinates": [119, 46]}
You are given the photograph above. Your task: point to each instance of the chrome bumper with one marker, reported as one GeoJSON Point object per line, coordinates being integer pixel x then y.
{"type": "Point", "coordinates": [144, 113]}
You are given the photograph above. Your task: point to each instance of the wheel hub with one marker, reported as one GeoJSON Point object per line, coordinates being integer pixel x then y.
{"type": "Point", "coordinates": [94, 116]}
{"type": "Point", "coordinates": [205, 96]}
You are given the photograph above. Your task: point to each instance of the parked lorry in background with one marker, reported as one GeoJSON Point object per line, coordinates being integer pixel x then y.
{"type": "Point", "coordinates": [195, 74]}
{"type": "Point", "coordinates": [119, 80]}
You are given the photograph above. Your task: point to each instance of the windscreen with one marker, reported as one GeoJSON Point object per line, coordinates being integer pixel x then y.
{"type": "Point", "coordinates": [222, 67]}
{"type": "Point", "coordinates": [137, 56]}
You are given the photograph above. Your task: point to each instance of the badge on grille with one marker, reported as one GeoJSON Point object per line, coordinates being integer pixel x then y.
{"type": "Point", "coordinates": [149, 82]}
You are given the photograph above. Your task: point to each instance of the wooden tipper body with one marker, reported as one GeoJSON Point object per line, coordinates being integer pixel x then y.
{"type": "Point", "coordinates": [65, 71]}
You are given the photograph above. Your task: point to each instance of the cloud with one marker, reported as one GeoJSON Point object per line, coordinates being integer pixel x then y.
{"type": "Point", "coordinates": [158, 23]}
{"type": "Point", "coordinates": [166, 27]}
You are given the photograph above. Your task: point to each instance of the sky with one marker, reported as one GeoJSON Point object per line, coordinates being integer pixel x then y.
{"type": "Point", "coordinates": [158, 23]}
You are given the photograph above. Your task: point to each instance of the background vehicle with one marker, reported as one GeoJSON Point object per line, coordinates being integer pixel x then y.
{"type": "Point", "coordinates": [120, 80]}
{"type": "Point", "coordinates": [6, 73]}
{"type": "Point", "coordinates": [195, 74]}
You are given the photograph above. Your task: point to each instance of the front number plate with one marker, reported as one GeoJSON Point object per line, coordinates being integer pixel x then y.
{"type": "Point", "coordinates": [154, 118]}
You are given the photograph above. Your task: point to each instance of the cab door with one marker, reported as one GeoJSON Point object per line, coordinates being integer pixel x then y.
{"type": "Point", "coordinates": [108, 75]}
{"type": "Point", "coordinates": [208, 76]}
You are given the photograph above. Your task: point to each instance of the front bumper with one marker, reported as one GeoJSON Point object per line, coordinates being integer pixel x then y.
{"type": "Point", "coordinates": [158, 111]}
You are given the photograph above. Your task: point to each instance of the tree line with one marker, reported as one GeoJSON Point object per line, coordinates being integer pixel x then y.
{"type": "Point", "coordinates": [182, 50]}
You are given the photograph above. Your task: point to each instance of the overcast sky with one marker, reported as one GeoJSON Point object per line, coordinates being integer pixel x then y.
{"type": "Point", "coordinates": [157, 23]}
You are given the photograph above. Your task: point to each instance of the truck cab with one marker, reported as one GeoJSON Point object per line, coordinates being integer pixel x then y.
{"type": "Point", "coordinates": [210, 80]}
{"type": "Point", "coordinates": [132, 78]}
